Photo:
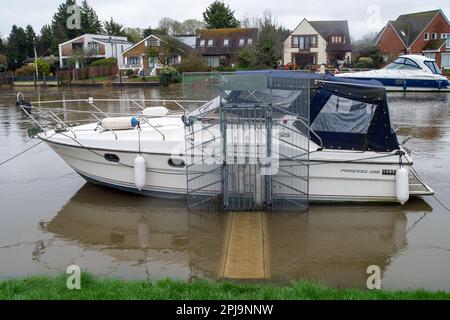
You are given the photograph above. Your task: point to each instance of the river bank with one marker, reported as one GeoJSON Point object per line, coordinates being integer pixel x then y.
{"type": "Point", "coordinates": [98, 288]}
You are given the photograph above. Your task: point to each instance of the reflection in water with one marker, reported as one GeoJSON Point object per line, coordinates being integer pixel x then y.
{"type": "Point", "coordinates": [419, 115]}
{"type": "Point", "coordinates": [334, 244]}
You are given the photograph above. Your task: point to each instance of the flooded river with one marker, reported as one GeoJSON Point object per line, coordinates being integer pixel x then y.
{"type": "Point", "coordinates": [51, 218]}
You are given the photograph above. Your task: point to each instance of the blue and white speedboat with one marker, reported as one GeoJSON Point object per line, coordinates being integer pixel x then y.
{"type": "Point", "coordinates": [407, 73]}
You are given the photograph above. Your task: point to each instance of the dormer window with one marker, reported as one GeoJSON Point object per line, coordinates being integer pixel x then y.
{"type": "Point", "coordinates": [241, 42]}
{"type": "Point", "coordinates": [226, 42]}
{"type": "Point", "coordinates": [250, 41]}
{"type": "Point", "coordinates": [202, 42]}
{"type": "Point", "coordinates": [337, 39]}
{"type": "Point", "coordinates": [210, 42]}
{"type": "Point", "coordinates": [152, 43]}
{"type": "Point", "coordinates": [427, 36]}
{"type": "Point", "coordinates": [434, 36]}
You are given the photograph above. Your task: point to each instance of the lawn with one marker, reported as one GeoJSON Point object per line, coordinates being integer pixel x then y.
{"type": "Point", "coordinates": [42, 288]}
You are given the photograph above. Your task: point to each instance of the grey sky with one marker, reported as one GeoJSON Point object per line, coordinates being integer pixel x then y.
{"type": "Point", "coordinates": [362, 15]}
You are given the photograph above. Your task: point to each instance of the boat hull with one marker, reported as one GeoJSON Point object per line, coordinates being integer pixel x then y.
{"type": "Point", "coordinates": [329, 181]}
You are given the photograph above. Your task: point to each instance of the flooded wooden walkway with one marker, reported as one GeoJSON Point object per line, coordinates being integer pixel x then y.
{"type": "Point", "coordinates": [245, 254]}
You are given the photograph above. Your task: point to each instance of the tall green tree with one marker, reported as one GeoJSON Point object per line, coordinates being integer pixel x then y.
{"type": "Point", "coordinates": [45, 40]}
{"type": "Point", "coordinates": [269, 49]}
{"type": "Point", "coordinates": [218, 15]}
{"type": "Point", "coordinates": [17, 47]}
{"type": "Point", "coordinates": [113, 28]}
{"type": "Point", "coordinates": [59, 24]}
{"type": "Point", "coordinates": [90, 22]}
{"type": "Point", "coordinates": [2, 45]}
{"type": "Point", "coordinates": [31, 40]}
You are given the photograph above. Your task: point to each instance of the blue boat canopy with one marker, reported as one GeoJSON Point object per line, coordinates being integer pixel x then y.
{"type": "Point", "coordinates": [352, 115]}
{"type": "Point", "coordinates": [346, 114]}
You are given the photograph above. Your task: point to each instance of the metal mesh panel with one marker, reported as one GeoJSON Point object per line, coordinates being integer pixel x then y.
{"type": "Point", "coordinates": [248, 147]}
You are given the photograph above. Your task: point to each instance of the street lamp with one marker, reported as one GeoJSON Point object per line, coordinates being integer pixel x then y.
{"type": "Point", "coordinates": [35, 59]}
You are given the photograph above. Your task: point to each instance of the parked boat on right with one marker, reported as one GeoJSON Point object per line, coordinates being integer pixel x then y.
{"type": "Point", "coordinates": [407, 73]}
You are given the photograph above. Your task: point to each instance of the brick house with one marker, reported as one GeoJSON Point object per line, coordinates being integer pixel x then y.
{"type": "Point", "coordinates": [139, 57]}
{"type": "Point", "coordinates": [424, 33]}
{"type": "Point", "coordinates": [221, 46]}
{"type": "Point", "coordinates": [313, 43]}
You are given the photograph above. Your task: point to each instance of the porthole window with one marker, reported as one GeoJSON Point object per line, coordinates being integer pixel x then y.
{"type": "Point", "coordinates": [176, 163]}
{"type": "Point", "coordinates": [112, 157]}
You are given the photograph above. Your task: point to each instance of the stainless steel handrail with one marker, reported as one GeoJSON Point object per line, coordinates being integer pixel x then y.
{"type": "Point", "coordinates": [146, 121]}
{"type": "Point", "coordinates": [63, 123]}
{"type": "Point", "coordinates": [103, 124]}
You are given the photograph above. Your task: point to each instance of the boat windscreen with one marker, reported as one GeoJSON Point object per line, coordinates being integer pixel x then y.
{"type": "Point", "coordinates": [352, 118]}
{"type": "Point", "coordinates": [344, 115]}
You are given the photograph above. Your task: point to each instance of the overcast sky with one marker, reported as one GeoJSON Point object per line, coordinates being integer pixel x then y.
{"type": "Point", "coordinates": [364, 16]}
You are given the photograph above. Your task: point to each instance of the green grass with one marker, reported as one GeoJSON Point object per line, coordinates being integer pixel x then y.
{"type": "Point", "coordinates": [43, 288]}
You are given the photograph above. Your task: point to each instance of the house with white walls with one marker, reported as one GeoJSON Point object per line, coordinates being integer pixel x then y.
{"type": "Point", "coordinates": [93, 47]}
{"type": "Point", "coordinates": [313, 43]}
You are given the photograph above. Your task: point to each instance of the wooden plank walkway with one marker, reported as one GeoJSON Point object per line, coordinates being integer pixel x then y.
{"type": "Point", "coordinates": [245, 253]}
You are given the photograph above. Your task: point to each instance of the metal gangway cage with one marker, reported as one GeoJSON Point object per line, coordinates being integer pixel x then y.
{"type": "Point", "coordinates": [248, 148]}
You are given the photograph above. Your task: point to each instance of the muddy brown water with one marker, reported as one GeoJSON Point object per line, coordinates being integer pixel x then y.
{"type": "Point", "coordinates": [51, 218]}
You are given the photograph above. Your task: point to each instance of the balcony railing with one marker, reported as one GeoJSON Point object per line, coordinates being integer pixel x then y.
{"type": "Point", "coordinates": [131, 66]}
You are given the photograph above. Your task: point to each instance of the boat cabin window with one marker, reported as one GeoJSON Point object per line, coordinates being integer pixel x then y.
{"type": "Point", "coordinates": [433, 67]}
{"type": "Point", "coordinates": [345, 116]}
{"type": "Point", "coordinates": [403, 64]}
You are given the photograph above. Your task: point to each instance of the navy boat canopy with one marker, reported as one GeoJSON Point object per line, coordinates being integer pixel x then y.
{"type": "Point", "coordinates": [345, 113]}
{"type": "Point", "coordinates": [352, 115]}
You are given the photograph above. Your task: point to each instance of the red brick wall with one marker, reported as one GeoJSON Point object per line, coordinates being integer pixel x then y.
{"type": "Point", "coordinates": [390, 43]}
{"type": "Point", "coordinates": [439, 25]}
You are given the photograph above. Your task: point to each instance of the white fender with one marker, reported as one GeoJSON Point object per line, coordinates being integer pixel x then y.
{"type": "Point", "coordinates": [140, 172]}
{"type": "Point", "coordinates": [154, 112]}
{"type": "Point", "coordinates": [402, 185]}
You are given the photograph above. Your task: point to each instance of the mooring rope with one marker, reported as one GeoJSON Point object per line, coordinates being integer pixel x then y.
{"type": "Point", "coordinates": [24, 151]}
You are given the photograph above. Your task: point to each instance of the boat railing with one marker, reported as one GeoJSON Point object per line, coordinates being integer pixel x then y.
{"type": "Point", "coordinates": [40, 111]}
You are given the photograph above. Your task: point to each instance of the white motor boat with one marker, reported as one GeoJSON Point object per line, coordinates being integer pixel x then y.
{"type": "Point", "coordinates": [342, 149]}
{"type": "Point", "coordinates": [407, 73]}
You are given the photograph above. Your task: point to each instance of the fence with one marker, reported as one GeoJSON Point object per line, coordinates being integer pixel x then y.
{"type": "Point", "coordinates": [6, 77]}
{"type": "Point", "coordinates": [87, 73]}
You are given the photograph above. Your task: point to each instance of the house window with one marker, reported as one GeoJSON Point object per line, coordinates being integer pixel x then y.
{"type": "Point", "coordinates": [173, 60]}
{"type": "Point", "coordinates": [434, 36]}
{"type": "Point", "coordinates": [134, 60]}
{"type": "Point", "coordinates": [446, 61]}
{"type": "Point", "coordinates": [304, 42]}
{"type": "Point", "coordinates": [202, 42]}
{"type": "Point", "coordinates": [226, 42]}
{"type": "Point", "coordinates": [249, 41]}
{"type": "Point", "coordinates": [241, 42]}
{"type": "Point", "coordinates": [210, 42]}
{"type": "Point", "coordinates": [121, 49]}
{"type": "Point", "coordinates": [152, 43]}
{"type": "Point", "coordinates": [93, 48]}
{"type": "Point", "coordinates": [337, 39]}
{"type": "Point", "coordinates": [448, 41]}
{"type": "Point", "coordinates": [427, 36]}
{"type": "Point", "coordinates": [212, 61]}
{"type": "Point", "coordinates": [443, 36]}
